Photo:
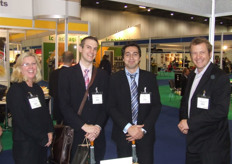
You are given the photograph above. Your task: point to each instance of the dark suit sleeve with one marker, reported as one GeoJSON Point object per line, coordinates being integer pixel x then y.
{"type": "Point", "coordinates": [218, 106]}
{"type": "Point", "coordinates": [64, 94]}
{"type": "Point", "coordinates": [152, 117]}
{"type": "Point", "coordinates": [48, 116]}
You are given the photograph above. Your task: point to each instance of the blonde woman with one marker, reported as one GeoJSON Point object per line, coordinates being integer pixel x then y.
{"type": "Point", "coordinates": [32, 124]}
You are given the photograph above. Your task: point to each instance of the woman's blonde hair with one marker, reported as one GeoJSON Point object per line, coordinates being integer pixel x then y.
{"type": "Point", "coordinates": [17, 75]}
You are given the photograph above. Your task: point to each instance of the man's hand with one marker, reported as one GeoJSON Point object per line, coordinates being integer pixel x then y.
{"type": "Point", "coordinates": [135, 132]}
{"type": "Point", "coordinates": [92, 131]}
{"type": "Point", "coordinates": [183, 126]}
{"type": "Point", "coordinates": [50, 136]}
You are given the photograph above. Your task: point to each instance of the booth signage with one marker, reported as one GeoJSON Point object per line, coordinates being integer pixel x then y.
{"type": "Point", "coordinates": [13, 9]}
{"type": "Point", "coordinates": [71, 39]}
{"type": "Point", "coordinates": [3, 3]}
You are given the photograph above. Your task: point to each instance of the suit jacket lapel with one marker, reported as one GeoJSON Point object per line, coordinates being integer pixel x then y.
{"type": "Point", "coordinates": [79, 75]}
{"type": "Point", "coordinates": [125, 85]}
{"type": "Point", "coordinates": [204, 79]}
{"type": "Point", "coordinates": [141, 82]}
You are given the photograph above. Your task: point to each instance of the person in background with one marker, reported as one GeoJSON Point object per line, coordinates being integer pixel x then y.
{"type": "Point", "coordinates": [204, 109]}
{"type": "Point", "coordinates": [72, 85]}
{"type": "Point", "coordinates": [67, 58]}
{"type": "Point", "coordinates": [184, 80]}
{"type": "Point", "coordinates": [32, 124]}
{"type": "Point", "coordinates": [134, 106]}
{"type": "Point", "coordinates": [105, 64]}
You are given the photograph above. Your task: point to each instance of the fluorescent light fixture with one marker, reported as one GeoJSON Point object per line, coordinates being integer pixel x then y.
{"type": "Point", "coordinates": [142, 7]}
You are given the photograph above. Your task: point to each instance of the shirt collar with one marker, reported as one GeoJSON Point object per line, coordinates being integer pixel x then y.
{"type": "Point", "coordinates": [136, 72]}
{"type": "Point", "coordinates": [83, 67]}
{"type": "Point", "coordinates": [203, 71]}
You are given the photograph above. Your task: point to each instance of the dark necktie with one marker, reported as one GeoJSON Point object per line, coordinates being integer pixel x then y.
{"type": "Point", "coordinates": [134, 99]}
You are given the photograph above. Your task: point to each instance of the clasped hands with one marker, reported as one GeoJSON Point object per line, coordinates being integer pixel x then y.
{"type": "Point", "coordinates": [134, 133]}
{"type": "Point", "coordinates": [183, 126]}
{"type": "Point", "coordinates": [92, 131]}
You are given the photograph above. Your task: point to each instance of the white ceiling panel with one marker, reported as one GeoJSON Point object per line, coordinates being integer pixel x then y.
{"type": "Point", "coordinates": [195, 7]}
{"type": "Point", "coordinates": [223, 8]}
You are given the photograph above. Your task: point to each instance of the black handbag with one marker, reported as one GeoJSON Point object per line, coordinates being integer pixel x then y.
{"type": "Point", "coordinates": [62, 144]}
{"type": "Point", "coordinates": [82, 153]}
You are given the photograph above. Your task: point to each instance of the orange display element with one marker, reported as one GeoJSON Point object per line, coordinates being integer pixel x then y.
{"type": "Point", "coordinates": [98, 56]}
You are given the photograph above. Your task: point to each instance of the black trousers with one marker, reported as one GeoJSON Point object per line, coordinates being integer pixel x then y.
{"type": "Point", "coordinates": [216, 157]}
{"type": "Point", "coordinates": [29, 152]}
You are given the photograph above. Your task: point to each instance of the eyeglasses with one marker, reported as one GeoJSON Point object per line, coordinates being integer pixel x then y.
{"type": "Point", "coordinates": [29, 64]}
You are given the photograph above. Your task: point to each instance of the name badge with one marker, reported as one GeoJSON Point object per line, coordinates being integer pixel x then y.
{"type": "Point", "coordinates": [203, 103]}
{"type": "Point", "coordinates": [145, 98]}
{"type": "Point", "coordinates": [97, 97]}
{"type": "Point", "coordinates": [34, 102]}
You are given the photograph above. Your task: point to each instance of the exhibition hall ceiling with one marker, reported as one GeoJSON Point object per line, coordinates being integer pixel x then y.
{"type": "Point", "coordinates": [119, 6]}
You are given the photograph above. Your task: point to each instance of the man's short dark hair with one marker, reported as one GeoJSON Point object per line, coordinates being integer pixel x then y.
{"type": "Point", "coordinates": [88, 37]}
{"type": "Point", "coordinates": [67, 57]}
{"type": "Point", "coordinates": [130, 44]}
{"type": "Point", "coordinates": [199, 40]}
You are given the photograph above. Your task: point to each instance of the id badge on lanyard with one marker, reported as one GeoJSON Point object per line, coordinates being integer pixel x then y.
{"type": "Point", "coordinates": [97, 97]}
{"type": "Point", "coordinates": [34, 101]}
{"type": "Point", "coordinates": [203, 101]}
{"type": "Point", "coordinates": [145, 98]}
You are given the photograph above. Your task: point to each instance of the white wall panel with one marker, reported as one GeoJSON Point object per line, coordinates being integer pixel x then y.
{"type": "Point", "coordinates": [105, 23]}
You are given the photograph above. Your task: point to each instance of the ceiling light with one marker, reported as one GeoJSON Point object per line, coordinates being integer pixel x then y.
{"type": "Point", "coordinates": [125, 6]}
{"type": "Point", "coordinates": [206, 20]}
{"type": "Point", "coordinates": [148, 10]}
{"type": "Point", "coordinates": [142, 7]}
{"type": "Point", "coordinates": [172, 14]}
{"type": "Point", "coordinates": [192, 17]}
{"type": "Point", "coordinates": [225, 47]}
{"type": "Point", "coordinates": [97, 2]}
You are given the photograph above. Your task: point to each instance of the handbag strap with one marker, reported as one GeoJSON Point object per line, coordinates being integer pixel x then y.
{"type": "Point", "coordinates": [87, 91]}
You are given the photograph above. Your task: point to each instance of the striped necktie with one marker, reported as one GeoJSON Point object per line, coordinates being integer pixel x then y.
{"type": "Point", "coordinates": [134, 98]}
{"type": "Point", "coordinates": [86, 77]}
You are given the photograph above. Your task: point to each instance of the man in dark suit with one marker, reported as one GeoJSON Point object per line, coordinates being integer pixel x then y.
{"type": "Point", "coordinates": [134, 106]}
{"type": "Point", "coordinates": [73, 82]}
{"type": "Point", "coordinates": [204, 109]}
{"type": "Point", "coordinates": [67, 58]}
